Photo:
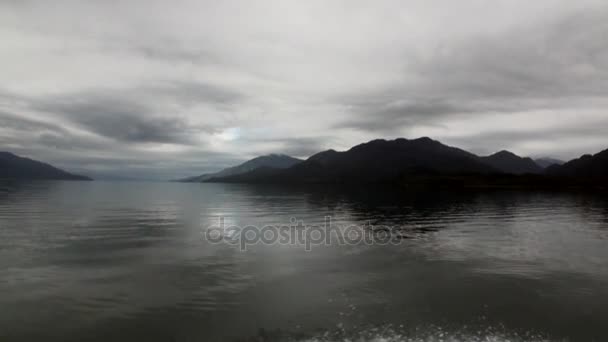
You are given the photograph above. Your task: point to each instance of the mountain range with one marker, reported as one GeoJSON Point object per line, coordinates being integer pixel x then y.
{"type": "Point", "coordinates": [375, 161]}
{"type": "Point", "coordinates": [509, 162]}
{"type": "Point", "coordinates": [588, 167]}
{"type": "Point", "coordinates": [273, 161]}
{"type": "Point", "coordinates": [546, 162]}
{"type": "Point", "coordinates": [422, 159]}
{"type": "Point", "coordinates": [15, 167]}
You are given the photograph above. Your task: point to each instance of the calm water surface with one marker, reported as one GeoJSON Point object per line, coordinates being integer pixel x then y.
{"type": "Point", "coordinates": [120, 261]}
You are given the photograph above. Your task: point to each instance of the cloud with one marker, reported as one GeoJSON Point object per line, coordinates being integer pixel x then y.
{"type": "Point", "coordinates": [116, 118]}
{"type": "Point", "coordinates": [538, 66]}
{"type": "Point", "coordinates": [562, 57]}
{"type": "Point", "coordinates": [297, 77]}
{"type": "Point", "coordinates": [302, 147]}
{"type": "Point", "coordinates": [197, 92]}
{"type": "Point", "coordinates": [146, 114]}
{"type": "Point", "coordinates": [392, 114]}
{"type": "Point", "coordinates": [19, 123]}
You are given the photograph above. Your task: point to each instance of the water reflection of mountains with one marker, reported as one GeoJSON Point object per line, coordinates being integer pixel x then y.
{"type": "Point", "coordinates": [413, 211]}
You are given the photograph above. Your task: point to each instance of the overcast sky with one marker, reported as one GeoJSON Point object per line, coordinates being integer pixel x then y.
{"type": "Point", "coordinates": [164, 89]}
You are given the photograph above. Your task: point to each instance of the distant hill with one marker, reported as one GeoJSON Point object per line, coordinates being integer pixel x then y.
{"type": "Point", "coordinates": [546, 162]}
{"type": "Point", "coordinates": [509, 162]}
{"type": "Point", "coordinates": [15, 167]}
{"type": "Point", "coordinates": [588, 166]}
{"type": "Point", "coordinates": [272, 161]}
{"type": "Point", "coordinates": [374, 161]}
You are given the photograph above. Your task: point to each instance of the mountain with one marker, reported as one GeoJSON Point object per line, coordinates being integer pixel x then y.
{"type": "Point", "coordinates": [588, 167]}
{"type": "Point", "coordinates": [272, 161]}
{"type": "Point", "coordinates": [15, 167]}
{"type": "Point", "coordinates": [374, 161]}
{"type": "Point", "coordinates": [546, 162]}
{"type": "Point", "coordinates": [509, 162]}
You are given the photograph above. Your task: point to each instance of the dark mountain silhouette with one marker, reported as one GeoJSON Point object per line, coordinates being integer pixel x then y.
{"type": "Point", "coordinates": [546, 162]}
{"type": "Point", "coordinates": [15, 167]}
{"type": "Point", "coordinates": [509, 162]}
{"type": "Point", "coordinates": [273, 161]}
{"type": "Point", "coordinates": [586, 167]}
{"type": "Point", "coordinates": [374, 161]}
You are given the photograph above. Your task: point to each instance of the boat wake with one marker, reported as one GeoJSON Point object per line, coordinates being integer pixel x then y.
{"type": "Point", "coordinates": [400, 334]}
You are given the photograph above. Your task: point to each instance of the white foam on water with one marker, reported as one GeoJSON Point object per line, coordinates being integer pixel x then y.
{"type": "Point", "coordinates": [434, 334]}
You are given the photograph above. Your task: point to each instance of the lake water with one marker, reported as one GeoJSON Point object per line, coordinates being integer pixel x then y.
{"type": "Point", "coordinates": [122, 261]}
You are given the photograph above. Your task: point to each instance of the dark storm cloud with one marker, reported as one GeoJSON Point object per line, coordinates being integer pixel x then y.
{"type": "Point", "coordinates": [379, 116]}
{"type": "Point", "coordinates": [117, 118]}
{"type": "Point", "coordinates": [128, 115]}
{"type": "Point", "coordinates": [46, 140]}
{"type": "Point", "coordinates": [23, 124]}
{"type": "Point", "coordinates": [131, 116]}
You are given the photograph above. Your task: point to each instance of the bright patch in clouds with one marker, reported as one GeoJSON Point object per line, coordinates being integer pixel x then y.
{"type": "Point", "coordinates": [228, 134]}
